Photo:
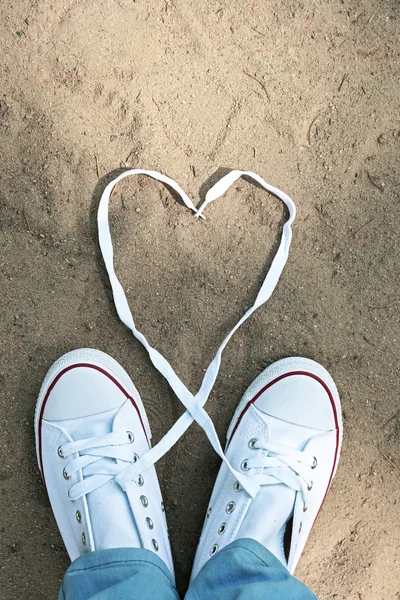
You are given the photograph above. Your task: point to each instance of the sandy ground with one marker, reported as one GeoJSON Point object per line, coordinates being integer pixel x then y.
{"type": "Point", "coordinates": [304, 93]}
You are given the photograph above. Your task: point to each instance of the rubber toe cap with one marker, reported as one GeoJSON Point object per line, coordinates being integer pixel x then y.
{"type": "Point", "coordinates": [82, 391]}
{"type": "Point", "coordinates": [302, 399]}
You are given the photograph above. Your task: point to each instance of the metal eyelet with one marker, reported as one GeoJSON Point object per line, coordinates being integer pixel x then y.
{"type": "Point", "coordinates": [244, 466]}
{"type": "Point", "coordinates": [155, 545]}
{"type": "Point", "coordinates": [214, 549]}
{"type": "Point", "coordinates": [222, 528]}
{"type": "Point", "coordinates": [230, 507]}
{"type": "Point", "coordinates": [305, 508]}
{"type": "Point", "coordinates": [252, 442]}
{"type": "Point", "coordinates": [60, 452]}
{"type": "Point", "coordinates": [78, 516]}
{"type": "Point", "coordinates": [140, 480]}
{"type": "Point", "coordinates": [131, 437]}
{"type": "Point", "coordinates": [314, 463]}
{"type": "Point", "coordinates": [309, 487]}
{"type": "Point", "coordinates": [144, 501]}
{"type": "Point", "coordinates": [135, 458]}
{"type": "Point", "coordinates": [301, 525]}
{"type": "Point", "coordinates": [83, 539]}
{"type": "Point", "coordinates": [150, 523]}
{"type": "Point", "coordinates": [65, 474]}
{"type": "Point", "coordinates": [237, 487]}
{"type": "Point", "coordinates": [208, 512]}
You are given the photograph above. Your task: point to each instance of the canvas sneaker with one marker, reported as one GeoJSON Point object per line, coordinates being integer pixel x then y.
{"type": "Point", "coordinates": [90, 425]}
{"type": "Point", "coordinates": [286, 435]}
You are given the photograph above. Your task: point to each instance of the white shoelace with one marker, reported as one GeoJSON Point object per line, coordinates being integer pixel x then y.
{"type": "Point", "coordinates": [272, 464]}
{"type": "Point", "coordinates": [91, 453]}
{"type": "Point", "coordinates": [193, 403]}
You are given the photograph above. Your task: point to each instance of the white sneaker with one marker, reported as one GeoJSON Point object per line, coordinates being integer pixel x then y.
{"type": "Point", "coordinates": [286, 433]}
{"type": "Point", "coordinates": [90, 425]}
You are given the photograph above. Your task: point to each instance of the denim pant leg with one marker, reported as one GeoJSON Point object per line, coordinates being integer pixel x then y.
{"type": "Point", "coordinates": [118, 574]}
{"type": "Point", "coordinates": [245, 570]}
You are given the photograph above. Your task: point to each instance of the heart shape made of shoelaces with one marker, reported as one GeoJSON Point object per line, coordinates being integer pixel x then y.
{"type": "Point", "coordinates": [194, 403]}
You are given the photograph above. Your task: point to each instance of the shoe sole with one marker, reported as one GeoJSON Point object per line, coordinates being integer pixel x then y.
{"type": "Point", "coordinates": [88, 357]}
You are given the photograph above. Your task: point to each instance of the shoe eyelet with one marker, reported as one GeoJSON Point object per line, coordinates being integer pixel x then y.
{"type": "Point", "coordinates": [244, 466]}
{"type": "Point", "coordinates": [208, 512]}
{"type": "Point", "coordinates": [252, 442]}
{"type": "Point", "coordinates": [222, 528]}
{"type": "Point", "coordinates": [309, 487]}
{"type": "Point", "coordinates": [135, 458]}
{"type": "Point", "coordinates": [214, 549]}
{"type": "Point", "coordinates": [131, 437]}
{"type": "Point", "coordinates": [78, 516]}
{"type": "Point", "coordinates": [155, 545]}
{"type": "Point", "coordinates": [315, 462]}
{"type": "Point", "coordinates": [230, 507]}
{"type": "Point", "coordinates": [237, 487]}
{"type": "Point", "coordinates": [162, 506]}
{"type": "Point", "coordinates": [65, 474]}
{"type": "Point", "coordinates": [144, 501]}
{"type": "Point", "coordinates": [140, 480]}
{"type": "Point", "coordinates": [60, 452]}
{"type": "Point", "coordinates": [83, 539]}
{"type": "Point", "coordinates": [150, 523]}
{"type": "Point", "coordinates": [305, 508]}
{"type": "Point", "coordinates": [301, 526]}
{"type": "Point", "coordinates": [69, 496]}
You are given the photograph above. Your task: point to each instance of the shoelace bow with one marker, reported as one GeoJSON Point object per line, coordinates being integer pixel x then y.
{"type": "Point", "coordinates": [193, 403]}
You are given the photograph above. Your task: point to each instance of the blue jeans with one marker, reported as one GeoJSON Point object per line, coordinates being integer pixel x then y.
{"type": "Point", "coordinates": [244, 570]}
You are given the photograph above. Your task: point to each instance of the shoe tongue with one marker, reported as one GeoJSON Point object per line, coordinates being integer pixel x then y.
{"type": "Point", "coordinates": [275, 501]}
{"type": "Point", "coordinates": [275, 504]}
{"type": "Point", "coordinates": [284, 433]}
{"type": "Point", "coordinates": [90, 426]}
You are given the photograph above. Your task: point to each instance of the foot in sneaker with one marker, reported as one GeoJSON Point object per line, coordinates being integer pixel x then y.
{"type": "Point", "coordinates": [90, 425]}
{"type": "Point", "coordinates": [286, 434]}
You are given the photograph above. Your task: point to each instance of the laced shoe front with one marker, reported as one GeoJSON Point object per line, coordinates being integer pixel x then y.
{"type": "Point", "coordinates": [286, 436]}
{"type": "Point", "coordinates": [90, 428]}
